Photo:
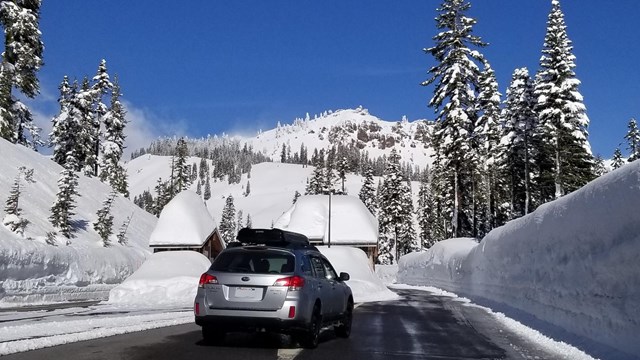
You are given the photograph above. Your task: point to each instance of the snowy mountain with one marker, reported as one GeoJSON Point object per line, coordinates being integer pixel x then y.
{"type": "Point", "coordinates": [349, 127]}
{"type": "Point", "coordinates": [73, 269]}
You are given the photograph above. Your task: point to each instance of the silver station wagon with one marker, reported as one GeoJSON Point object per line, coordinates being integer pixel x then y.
{"type": "Point", "coordinates": [273, 280]}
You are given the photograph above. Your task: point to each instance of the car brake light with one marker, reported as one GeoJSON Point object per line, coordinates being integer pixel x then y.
{"type": "Point", "coordinates": [207, 279]}
{"type": "Point", "coordinates": [197, 309]}
{"type": "Point", "coordinates": [293, 282]}
{"type": "Point", "coordinates": [292, 312]}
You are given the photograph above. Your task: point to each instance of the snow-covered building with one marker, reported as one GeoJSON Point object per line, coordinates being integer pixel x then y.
{"type": "Point", "coordinates": [185, 224]}
{"type": "Point", "coordinates": [333, 220]}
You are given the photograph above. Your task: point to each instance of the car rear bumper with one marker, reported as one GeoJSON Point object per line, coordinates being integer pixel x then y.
{"type": "Point", "coordinates": [241, 323]}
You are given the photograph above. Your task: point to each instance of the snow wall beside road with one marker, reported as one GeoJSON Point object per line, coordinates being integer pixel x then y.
{"type": "Point", "coordinates": [573, 263]}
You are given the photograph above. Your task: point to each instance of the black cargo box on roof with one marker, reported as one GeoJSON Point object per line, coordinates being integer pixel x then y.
{"type": "Point", "coordinates": [275, 237]}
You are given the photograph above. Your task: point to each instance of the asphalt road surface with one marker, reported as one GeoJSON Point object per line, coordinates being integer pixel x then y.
{"type": "Point", "coordinates": [419, 326]}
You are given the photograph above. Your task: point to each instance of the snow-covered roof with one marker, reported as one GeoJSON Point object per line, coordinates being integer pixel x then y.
{"type": "Point", "coordinates": [185, 220]}
{"type": "Point", "coordinates": [351, 222]}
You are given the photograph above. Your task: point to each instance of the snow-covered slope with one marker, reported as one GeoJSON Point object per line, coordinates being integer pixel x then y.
{"type": "Point", "coordinates": [573, 263]}
{"type": "Point", "coordinates": [352, 126]}
{"type": "Point", "coordinates": [272, 187]}
{"type": "Point", "coordinates": [31, 270]}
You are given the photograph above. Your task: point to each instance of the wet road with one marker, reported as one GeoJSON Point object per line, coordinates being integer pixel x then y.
{"type": "Point", "coordinates": [419, 326]}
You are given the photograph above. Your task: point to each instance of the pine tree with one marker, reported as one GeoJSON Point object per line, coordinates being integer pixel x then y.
{"type": "Point", "coordinates": [249, 223]}
{"type": "Point", "coordinates": [13, 213]}
{"type": "Point", "coordinates": [62, 209]}
{"type": "Point", "coordinates": [561, 113]}
{"type": "Point", "coordinates": [247, 189]}
{"type": "Point", "coordinates": [204, 169]}
{"type": "Point", "coordinates": [519, 144]}
{"type": "Point", "coordinates": [104, 223]}
{"type": "Point", "coordinates": [342, 167]}
{"type": "Point", "coordinates": [65, 129]}
{"type": "Point", "coordinates": [368, 191]}
{"type": "Point", "coordinates": [101, 87]}
{"type": "Point", "coordinates": [617, 161]}
{"type": "Point", "coordinates": [227, 225]}
{"type": "Point", "coordinates": [485, 144]}
{"type": "Point", "coordinates": [113, 146]}
{"type": "Point", "coordinates": [426, 218]}
{"type": "Point", "coordinates": [633, 140]}
{"type": "Point", "coordinates": [207, 189]}
{"type": "Point", "coordinates": [296, 195]}
{"type": "Point", "coordinates": [599, 167]}
{"type": "Point", "coordinates": [21, 60]}
{"type": "Point", "coordinates": [87, 137]}
{"type": "Point", "coordinates": [239, 221]}
{"type": "Point", "coordinates": [122, 233]}
{"type": "Point", "coordinates": [316, 185]}
{"type": "Point", "coordinates": [199, 188]}
{"type": "Point", "coordinates": [181, 171]}
{"type": "Point", "coordinates": [456, 78]}
{"type": "Point", "coordinates": [395, 210]}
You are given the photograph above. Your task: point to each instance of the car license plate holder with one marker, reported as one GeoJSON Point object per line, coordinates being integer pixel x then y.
{"type": "Point", "coordinates": [247, 293]}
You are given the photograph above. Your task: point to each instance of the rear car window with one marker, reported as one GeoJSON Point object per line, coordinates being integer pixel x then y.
{"type": "Point", "coordinates": [255, 261]}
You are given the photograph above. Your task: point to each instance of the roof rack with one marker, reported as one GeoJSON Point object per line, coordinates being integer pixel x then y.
{"type": "Point", "coordinates": [271, 237]}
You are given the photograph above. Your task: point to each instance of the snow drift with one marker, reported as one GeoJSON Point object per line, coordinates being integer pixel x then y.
{"type": "Point", "coordinates": [168, 278]}
{"type": "Point", "coordinates": [573, 263]}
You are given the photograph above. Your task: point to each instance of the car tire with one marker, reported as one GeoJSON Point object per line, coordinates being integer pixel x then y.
{"type": "Point", "coordinates": [344, 329]}
{"type": "Point", "coordinates": [310, 338]}
{"type": "Point", "coordinates": [212, 336]}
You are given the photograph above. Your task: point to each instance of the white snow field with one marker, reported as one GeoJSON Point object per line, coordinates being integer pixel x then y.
{"type": "Point", "coordinates": [571, 268]}
{"type": "Point", "coordinates": [32, 271]}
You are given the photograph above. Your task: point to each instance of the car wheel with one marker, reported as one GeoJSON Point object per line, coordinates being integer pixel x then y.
{"type": "Point", "coordinates": [344, 329]}
{"type": "Point", "coordinates": [311, 338]}
{"type": "Point", "coordinates": [211, 335]}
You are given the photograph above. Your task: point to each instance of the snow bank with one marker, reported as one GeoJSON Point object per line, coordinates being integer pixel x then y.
{"type": "Point", "coordinates": [168, 278]}
{"type": "Point", "coordinates": [364, 283]}
{"type": "Point", "coordinates": [387, 273]}
{"type": "Point", "coordinates": [80, 268]}
{"type": "Point", "coordinates": [185, 220]}
{"type": "Point", "coordinates": [573, 263]}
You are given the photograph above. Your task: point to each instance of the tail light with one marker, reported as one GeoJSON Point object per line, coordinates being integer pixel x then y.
{"type": "Point", "coordinates": [207, 279]}
{"type": "Point", "coordinates": [293, 282]}
{"type": "Point", "coordinates": [196, 308]}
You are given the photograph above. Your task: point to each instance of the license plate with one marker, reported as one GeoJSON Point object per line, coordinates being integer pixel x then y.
{"type": "Point", "coordinates": [248, 293]}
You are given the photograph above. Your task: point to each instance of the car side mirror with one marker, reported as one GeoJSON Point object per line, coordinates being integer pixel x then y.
{"type": "Point", "coordinates": [344, 276]}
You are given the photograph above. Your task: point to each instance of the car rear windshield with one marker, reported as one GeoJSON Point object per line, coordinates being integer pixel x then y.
{"type": "Point", "coordinates": [255, 261]}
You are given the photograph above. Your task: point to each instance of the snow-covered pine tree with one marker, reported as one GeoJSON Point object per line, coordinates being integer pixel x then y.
{"type": "Point", "coordinates": [368, 192]}
{"type": "Point", "coordinates": [62, 209]}
{"type": "Point", "coordinates": [456, 78]}
{"type": "Point", "coordinates": [82, 103]}
{"type": "Point", "coordinates": [342, 168]}
{"type": "Point", "coordinates": [113, 145]}
{"type": "Point", "coordinates": [393, 211]}
{"type": "Point", "coordinates": [599, 167]}
{"type": "Point", "coordinates": [204, 169]}
{"type": "Point", "coordinates": [239, 220]}
{"type": "Point", "coordinates": [617, 161]}
{"type": "Point", "coordinates": [249, 223]}
{"type": "Point", "coordinates": [163, 196]}
{"type": "Point", "coordinates": [519, 146]}
{"type": "Point", "coordinates": [227, 225]}
{"type": "Point", "coordinates": [122, 233]}
{"type": "Point", "coordinates": [407, 240]}
{"type": "Point", "coordinates": [181, 171]}
{"type": "Point", "coordinates": [65, 129]}
{"type": "Point", "coordinates": [101, 87]}
{"type": "Point", "coordinates": [561, 113]}
{"type": "Point", "coordinates": [486, 143]}
{"type": "Point", "coordinates": [21, 60]}
{"type": "Point", "coordinates": [426, 213]}
{"type": "Point", "coordinates": [199, 188]}
{"type": "Point", "coordinates": [633, 140]}
{"type": "Point", "coordinates": [104, 222]}
{"type": "Point", "coordinates": [207, 189]}
{"type": "Point", "coordinates": [317, 182]}
{"type": "Point", "coordinates": [13, 219]}
{"type": "Point", "coordinates": [24, 124]}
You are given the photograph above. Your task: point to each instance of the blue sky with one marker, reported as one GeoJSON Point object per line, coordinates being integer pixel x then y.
{"type": "Point", "coordinates": [204, 67]}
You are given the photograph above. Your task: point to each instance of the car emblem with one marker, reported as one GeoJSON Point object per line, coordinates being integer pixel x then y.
{"type": "Point", "coordinates": [245, 278]}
